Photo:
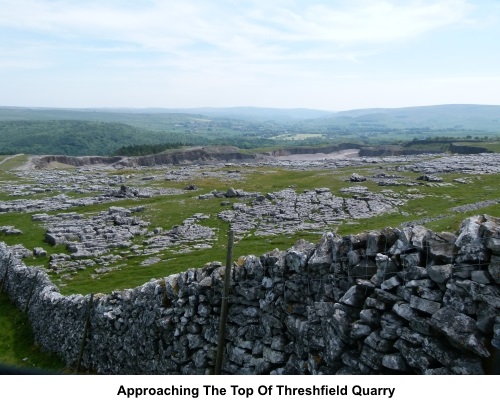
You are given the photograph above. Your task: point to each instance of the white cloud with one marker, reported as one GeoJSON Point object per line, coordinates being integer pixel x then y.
{"type": "Point", "coordinates": [369, 22]}
{"type": "Point", "coordinates": [250, 37]}
{"type": "Point", "coordinates": [280, 51]}
{"type": "Point", "coordinates": [260, 27]}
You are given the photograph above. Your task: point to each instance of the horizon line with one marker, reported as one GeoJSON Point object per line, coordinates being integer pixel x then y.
{"type": "Point", "coordinates": [242, 107]}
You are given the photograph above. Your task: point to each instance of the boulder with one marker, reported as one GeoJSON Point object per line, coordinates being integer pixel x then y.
{"type": "Point", "coordinates": [460, 329]}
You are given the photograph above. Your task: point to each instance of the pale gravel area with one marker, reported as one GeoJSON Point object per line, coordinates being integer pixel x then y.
{"type": "Point", "coordinates": [343, 154]}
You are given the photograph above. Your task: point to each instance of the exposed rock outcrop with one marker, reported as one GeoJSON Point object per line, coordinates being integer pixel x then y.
{"type": "Point", "coordinates": [184, 156]}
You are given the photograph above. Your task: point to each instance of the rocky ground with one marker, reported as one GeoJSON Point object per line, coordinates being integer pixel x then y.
{"type": "Point", "coordinates": [393, 301]}
{"type": "Point", "coordinates": [101, 240]}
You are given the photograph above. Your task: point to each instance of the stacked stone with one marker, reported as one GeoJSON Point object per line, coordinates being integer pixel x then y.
{"type": "Point", "coordinates": [166, 326]}
{"type": "Point", "coordinates": [394, 301]}
{"type": "Point", "coordinates": [411, 301]}
{"type": "Point", "coordinates": [57, 321]}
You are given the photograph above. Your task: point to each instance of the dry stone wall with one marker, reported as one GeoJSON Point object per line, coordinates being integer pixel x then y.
{"type": "Point", "coordinates": [406, 301]}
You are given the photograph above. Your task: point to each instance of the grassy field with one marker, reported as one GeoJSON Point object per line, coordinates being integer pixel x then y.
{"type": "Point", "coordinates": [16, 342]}
{"type": "Point", "coordinates": [8, 162]}
{"type": "Point", "coordinates": [298, 137]}
{"type": "Point", "coordinates": [168, 211]}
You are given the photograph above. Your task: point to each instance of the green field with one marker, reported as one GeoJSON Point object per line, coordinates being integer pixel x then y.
{"type": "Point", "coordinates": [298, 137]}
{"type": "Point", "coordinates": [168, 211]}
{"type": "Point", "coordinates": [16, 342]}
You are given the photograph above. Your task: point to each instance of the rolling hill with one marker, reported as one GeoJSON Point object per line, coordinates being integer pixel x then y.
{"type": "Point", "coordinates": [104, 131]}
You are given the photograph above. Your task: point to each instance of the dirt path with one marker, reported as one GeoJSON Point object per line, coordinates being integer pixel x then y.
{"type": "Point", "coordinates": [28, 165]}
{"type": "Point", "coordinates": [10, 157]}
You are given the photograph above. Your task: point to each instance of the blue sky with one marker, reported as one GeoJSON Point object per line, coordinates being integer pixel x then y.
{"type": "Point", "coordinates": [333, 55]}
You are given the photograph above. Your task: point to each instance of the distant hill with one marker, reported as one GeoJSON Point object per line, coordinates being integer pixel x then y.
{"type": "Point", "coordinates": [138, 115]}
{"type": "Point", "coordinates": [139, 131]}
{"type": "Point", "coordinates": [142, 118]}
{"type": "Point", "coordinates": [465, 116]}
{"type": "Point", "coordinates": [256, 113]}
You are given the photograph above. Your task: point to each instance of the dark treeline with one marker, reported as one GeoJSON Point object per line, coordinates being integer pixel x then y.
{"type": "Point", "coordinates": [83, 138]}
{"type": "Point", "coordinates": [244, 142]}
{"type": "Point", "coordinates": [7, 152]}
{"type": "Point", "coordinates": [147, 149]}
{"type": "Point", "coordinates": [68, 137]}
{"type": "Point", "coordinates": [151, 149]}
{"type": "Point", "coordinates": [447, 139]}
{"type": "Point", "coordinates": [77, 138]}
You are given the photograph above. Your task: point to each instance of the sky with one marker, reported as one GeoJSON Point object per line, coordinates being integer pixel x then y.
{"type": "Point", "coordinates": [333, 55]}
